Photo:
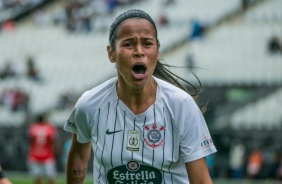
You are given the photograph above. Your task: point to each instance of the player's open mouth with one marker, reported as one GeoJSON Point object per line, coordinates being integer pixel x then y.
{"type": "Point", "coordinates": [139, 71]}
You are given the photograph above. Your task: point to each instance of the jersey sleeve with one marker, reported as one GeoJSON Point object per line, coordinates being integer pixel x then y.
{"type": "Point", "coordinates": [195, 139]}
{"type": "Point", "coordinates": [79, 122]}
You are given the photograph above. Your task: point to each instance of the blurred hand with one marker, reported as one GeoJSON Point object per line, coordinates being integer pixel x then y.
{"type": "Point", "coordinates": [5, 181]}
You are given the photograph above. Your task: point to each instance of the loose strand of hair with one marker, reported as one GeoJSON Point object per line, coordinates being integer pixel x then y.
{"type": "Point", "coordinates": [162, 71]}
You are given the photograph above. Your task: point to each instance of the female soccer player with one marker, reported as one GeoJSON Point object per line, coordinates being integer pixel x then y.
{"type": "Point", "coordinates": [143, 126]}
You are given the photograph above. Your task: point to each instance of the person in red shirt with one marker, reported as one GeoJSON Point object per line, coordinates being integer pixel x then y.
{"type": "Point", "coordinates": [41, 153]}
{"type": "Point", "coordinates": [254, 163]}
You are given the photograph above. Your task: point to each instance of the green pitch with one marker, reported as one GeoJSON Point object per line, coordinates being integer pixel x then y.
{"type": "Point", "coordinates": [26, 179]}
{"type": "Point", "coordinates": [29, 181]}
{"type": "Point", "coordinates": [88, 181]}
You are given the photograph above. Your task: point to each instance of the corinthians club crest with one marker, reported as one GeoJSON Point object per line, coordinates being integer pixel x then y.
{"type": "Point", "coordinates": [154, 135]}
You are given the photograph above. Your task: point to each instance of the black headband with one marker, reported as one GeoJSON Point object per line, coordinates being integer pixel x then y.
{"type": "Point", "coordinates": [127, 15]}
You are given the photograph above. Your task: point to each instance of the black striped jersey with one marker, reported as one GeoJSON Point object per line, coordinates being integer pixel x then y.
{"type": "Point", "coordinates": [148, 148]}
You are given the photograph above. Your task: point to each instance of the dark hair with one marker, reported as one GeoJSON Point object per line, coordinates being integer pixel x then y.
{"type": "Point", "coordinates": [161, 71]}
{"type": "Point", "coordinates": [134, 13]}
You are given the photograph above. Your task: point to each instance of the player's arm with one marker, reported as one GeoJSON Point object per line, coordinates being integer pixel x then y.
{"type": "Point", "coordinates": [77, 161]}
{"type": "Point", "coordinates": [198, 172]}
{"type": "Point", "coordinates": [3, 179]}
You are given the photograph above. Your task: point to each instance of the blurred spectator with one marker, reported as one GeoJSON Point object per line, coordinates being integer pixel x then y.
{"type": "Point", "coordinates": [42, 150]}
{"type": "Point", "coordinates": [59, 17]}
{"type": "Point", "coordinates": [12, 10]}
{"type": "Point", "coordinates": [162, 20]}
{"type": "Point", "coordinates": [16, 95]}
{"type": "Point", "coordinates": [15, 99]}
{"type": "Point", "coordinates": [70, 24]}
{"type": "Point", "coordinates": [9, 70]}
{"type": "Point", "coordinates": [6, 97]}
{"type": "Point", "coordinates": [197, 29]}
{"type": "Point", "coordinates": [79, 16]}
{"type": "Point", "coordinates": [245, 4]}
{"type": "Point", "coordinates": [111, 4]}
{"type": "Point", "coordinates": [3, 179]}
{"type": "Point", "coordinates": [236, 159]}
{"type": "Point", "coordinates": [31, 70]}
{"type": "Point", "coordinates": [66, 100]}
{"type": "Point", "coordinates": [254, 164]}
{"type": "Point", "coordinates": [274, 45]}
{"type": "Point", "coordinates": [210, 164]}
{"type": "Point", "coordinates": [41, 18]}
{"type": "Point", "coordinates": [8, 26]}
{"type": "Point", "coordinates": [66, 148]}
{"type": "Point", "coordinates": [18, 100]}
{"type": "Point", "coordinates": [124, 2]}
{"type": "Point", "coordinates": [190, 61]}
{"type": "Point", "coordinates": [276, 169]}
{"type": "Point", "coordinates": [168, 2]}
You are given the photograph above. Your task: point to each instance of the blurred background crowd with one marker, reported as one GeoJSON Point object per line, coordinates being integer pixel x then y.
{"type": "Point", "coordinates": [52, 51]}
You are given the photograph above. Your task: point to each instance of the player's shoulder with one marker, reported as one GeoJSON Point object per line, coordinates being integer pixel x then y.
{"type": "Point", "coordinates": [172, 92]}
{"type": "Point", "coordinates": [99, 94]}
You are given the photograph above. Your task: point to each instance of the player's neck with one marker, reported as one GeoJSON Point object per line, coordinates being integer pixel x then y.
{"type": "Point", "coordinates": [138, 100]}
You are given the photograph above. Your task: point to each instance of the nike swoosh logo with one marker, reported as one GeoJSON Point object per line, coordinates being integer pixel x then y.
{"type": "Point", "coordinates": [113, 132]}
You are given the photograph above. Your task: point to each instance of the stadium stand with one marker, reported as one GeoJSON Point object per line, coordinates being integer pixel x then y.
{"type": "Point", "coordinates": [235, 54]}
{"type": "Point", "coordinates": [14, 10]}
{"type": "Point", "coordinates": [72, 62]}
{"type": "Point", "coordinates": [262, 114]}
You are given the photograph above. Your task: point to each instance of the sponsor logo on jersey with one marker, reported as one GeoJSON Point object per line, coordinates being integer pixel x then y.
{"type": "Point", "coordinates": [154, 135]}
{"type": "Point", "coordinates": [112, 132]}
{"type": "Point", "coordinates": [207, 142]}
{"type": "Point", "coordinates": [134, 173]}
{"type": "Point", "coordinates": [132, 166]}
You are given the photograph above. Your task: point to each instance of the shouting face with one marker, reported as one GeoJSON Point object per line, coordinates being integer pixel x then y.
{"type": "Point", "coordinates": [135, 53]}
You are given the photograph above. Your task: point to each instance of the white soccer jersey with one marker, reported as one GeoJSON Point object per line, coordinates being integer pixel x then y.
{"type": "Point", "coordinates": [148, 148]}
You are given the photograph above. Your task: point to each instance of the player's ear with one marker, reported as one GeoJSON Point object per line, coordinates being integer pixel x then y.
{"type": "Point", "coordinates": [110, 54]}
{"type": "Point", "coordinates": [158, 57]}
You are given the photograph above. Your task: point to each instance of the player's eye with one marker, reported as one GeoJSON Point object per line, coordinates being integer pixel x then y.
{"type": "Point", "coordinates": [147, 43]}
{"type": "Point", "coordinates": [128, 44]}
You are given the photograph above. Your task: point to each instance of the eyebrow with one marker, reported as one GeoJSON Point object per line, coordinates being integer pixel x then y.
{"type": "Point", "coordinates": [132, 39]}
